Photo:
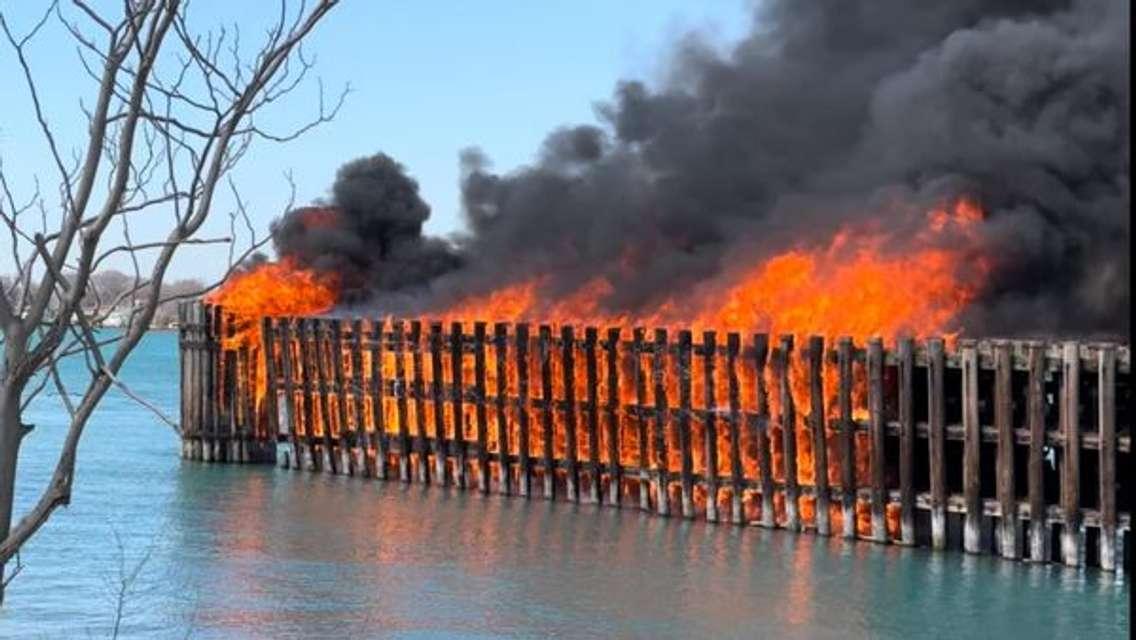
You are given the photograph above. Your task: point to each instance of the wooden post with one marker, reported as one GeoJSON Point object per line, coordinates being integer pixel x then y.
{"type": "Point", "coordinates": [378, 391]}
{"type": "Point", "coordinates": [272, 402]}
{"type": "Point", "coordinates": [1035, 416]}
{"type": "Point", "coordinates": [848, 496]}
{"type": "Point", "coordinates": [345, 437]}
{"type": "Point", "coordinates": [591, 373]}
{"type": "Point", "coordinates": [568, 371]}
{"type": "Point", "coordinates": [737, 478]}
{"type": "Point", "coordinates": [1071, 534]}
{"type": "Point", "coordinates": [686, 470]}
{"type": "Point", "coordinates": [662, 464]}
{"type": "Point", "coordinates": [500, 348]}
{"type": "Point", "coordinates": [614, 444]}
{"type": "Point", "coordinates": [307, 377]}
{"type": "Point", "coordinates": [906, 355]}
{"type": "Point", "coordinates": [1106, 425]}
{"type": "Point", "coordinates": [436, 389]}
{"type": "Point", "coordinates": [637, 337]}
{"type": "Point", "coordinates": [327, 459]}
{"type": "Point", "coordinates": [936, 444]}
{"type": "Point", "coordinates": [710, 432]}
{"type": "Point", "coordinates": [1009, 531]}
{"type": "Point", "coordinates": [972, 438]}
{"type": "Point", "coordinates": [228, 410]}
{"type": "Point", "coordinates": [358, 384]}
{"type": "Point", "coordinates": [761, 434]}
{"type": "Point", "coordinates": [284, 329]}
{"type": "Point", "coordinates": [544, 349]}
{"type": "Point", "coordinates": [421, 449]}
{"type": "Point", "coordinates": [820, 442]}
{"type": "Point", "coordinates": [400, 390]}
{"type": "Point", "coordinates": [788, 435]}
{"type": "Point", "coordinates": [876, 426]}
{"type": "Point", "coordinates": [210, 399]}
{"type": "Point", "coordinates": [524, 470]}
{"type": "Point", "coordinates": [229, 443]}
{"type": "Point", "coordinates": [479, 408]}
{"type": "Point", "coordinates": [457, 373]}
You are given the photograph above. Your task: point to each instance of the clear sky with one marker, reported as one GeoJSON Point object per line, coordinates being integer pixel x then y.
{"type": "Point", "coordinates": [428, 78]}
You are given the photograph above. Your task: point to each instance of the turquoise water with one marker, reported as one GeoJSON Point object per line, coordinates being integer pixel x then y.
{"type": "Point", "coordinates": [247, 552]}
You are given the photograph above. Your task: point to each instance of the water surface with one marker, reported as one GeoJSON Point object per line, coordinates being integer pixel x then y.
{"type": "Point", "coordinates": [253, 551]}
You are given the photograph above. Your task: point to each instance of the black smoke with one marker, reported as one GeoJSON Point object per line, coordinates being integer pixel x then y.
{"type": "Point", "coordinates": [826, 113]}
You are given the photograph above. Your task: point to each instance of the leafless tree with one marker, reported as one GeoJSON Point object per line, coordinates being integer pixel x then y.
{"type": "Point", "coordinates": [172, 111]}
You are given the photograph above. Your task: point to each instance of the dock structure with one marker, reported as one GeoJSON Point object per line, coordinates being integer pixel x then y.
{"type": "Point", "coordinates": [1004, 447]}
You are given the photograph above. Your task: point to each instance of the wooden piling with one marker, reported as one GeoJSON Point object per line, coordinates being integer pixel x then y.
{"type": "Point", "coordinates": [328, 463]}
{"type": "Point", "coordinates": [345, 441]}
{"type": "Point", "coordinates": [591, 374]}
{"type": "Point", "coordinates": [876, 427]}
{"type": "Point", "coordinates": [401, 410]}
{"type": "Point", "coordinates": [544, 350]}
{"type": "Point", "coordinates": [1071, 533]}
{"type": "Point", "coordinates": [936, 444]}
{"type": "Point", "coordinates": [457, 374]}
{"type": "Point", "coordinates": [378, 390]}
{"type": "Point", "coordinates": [362, 458]}
{"type": "Point", "coordinates": [788, 420]}
{"type": "Point", "coordinates": [441, 451]}
{"type": "Point", "coordinates": [272, 392]}
{"type": "Point", "coordinates": [611, 415]}
{"type": "Point", "coordinates": [848, 497]}
{"type": "Point", "coordinates": [308, 382]}
{"type": "Point", "coordinates": [662, 464]}
{"type": "Point", "coordinates": [1008, 530]}
{"type": "Point", "coordinates": [737, 478]}
{"type": "Point", "coordinates": [761, 429]}
{"type": "Point", "coordinates": [686, 468]}
{"type": "Point", "coordinates": [568, 372]}
{"type": "Point", "coordinates": [524, 467]}
{"type": "Point", "coordinates": [418, 391]}
{"type": "Point", "coordinates": [480, 417]}
{"type": "Point", "coordinates": [905, 352]}
{"type": "Point", "coordinates": [637, 336]}
{"type": "Point", "coordinates": [500, 351]}
{"type": "Point", "coordinates": [1035, 416]}
{"type": "Point", "coordinates": [710, 430]}
{"type": "Point", "coordinates": [1106, 433]}
{"type": "Point", "coordinates": [972, 521]}
{"type": "Point", "coordinates": [815, 356]}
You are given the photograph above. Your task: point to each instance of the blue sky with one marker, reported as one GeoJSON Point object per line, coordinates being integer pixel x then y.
{"type": "Point", "coordinates": [428, 78]}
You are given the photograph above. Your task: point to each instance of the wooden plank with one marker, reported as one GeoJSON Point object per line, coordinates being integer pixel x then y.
{"type": "Point", "coordinates": [377, 389]}
{"type": "Point", "coordinates": [737, 477]}
{"type": "Point", "coordinates": [847, 436]}
{"type": "Point", "coordinates": [662, 464]}
{"type": "Point", "coordinates": [399, 348]}
{"type": "Point", "coordinates": [591, 373]}
{"type": "Point", "coordinates": [421, 448]}
{"type": "Point", "coordinates": [319, 346]}
{"type": "Point", "coordinates": [457, 375]}
{"type": "Point", "coordinates": [936, 444]}
{"type": "Point", "coordinates": [568, 371]}
{"type": "Point", "coordinates": [211, 399]}
{"type": "Point", "coordinates": [686, 469]}
{"type": "Point", "coordinates": [1035, 416]}
{"type": "Point", "coordinates": [500, 350]}
{"type": "Point", "coordinates": [362, 458]}
{"type": "Point", "coordinates": [1106, 429]}
{"type": "Point", "coordinates": [761, 431]}
{"type": "Point", "coordinates": [905, 351]}
{"type": "Point", "coordinates": [271, 389]}
{"type": "Point", "coordinates": [972, 521]}
{"type": "Point", "coordinates": [345, 440]}
{"type": "Point", "coordinates": [1071, 531]}
{"type": "Point", "coordinates": [1009, 530]}
{"type": "Point", "coordinates": [544, 349]}
{"type": "Point", "coordinates": [637, 338]}
{"type": "Point", "coordinates": [710, 431]}
{"type": "Point", "coordinates": [436, 396]}
{"type": "Point", "coordinates": [228, 412]}
{"type": "Point", "coordinates": [788, 421]}
{"type": "Point", "coordinates": [524, 470]}
{"type": "Point", "coordinates": [482, 422]}
{"type": "Point", "coordinates": [876, 429]}
{"type": "Point", "coordinates": [611, 413]}
{"type": "Point", "coordinates": [820, 442]}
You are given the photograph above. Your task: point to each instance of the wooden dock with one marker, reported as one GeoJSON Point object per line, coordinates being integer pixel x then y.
{"type": "Point", "coordinates": [989, 446]}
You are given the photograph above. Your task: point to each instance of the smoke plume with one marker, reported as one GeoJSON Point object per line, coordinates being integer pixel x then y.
{"type": "Point", "coordinates": [826, 113]}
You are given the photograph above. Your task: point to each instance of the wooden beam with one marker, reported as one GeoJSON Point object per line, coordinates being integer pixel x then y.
{"type": "Point", "coordinates": [1009, 530]}
{"type": "Point", "coordinates": [1071, 534]}
{"type": "Point", "coordinates": [847, 436]}
{"type": "Point", "coordinates": [524, 470]}
{"type": "Point", "coordinates": [905, 351]}
{"type": "Point", "coordinates": [936, 444]}
{"type": "Point", "coordinates": [710, 431]}
{"type": "Point", "coordinates": [876, 450]}
{"type": "Point", "coordinates": [817, 421]}
{"type": "Point", "coordinates": [972, 521]}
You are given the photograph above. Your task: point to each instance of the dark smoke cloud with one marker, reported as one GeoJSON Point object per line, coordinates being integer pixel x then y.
{"type": "Point", "coordinates": [825, 113]}
{"type": "Point", "coordinates": [370, 234]}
